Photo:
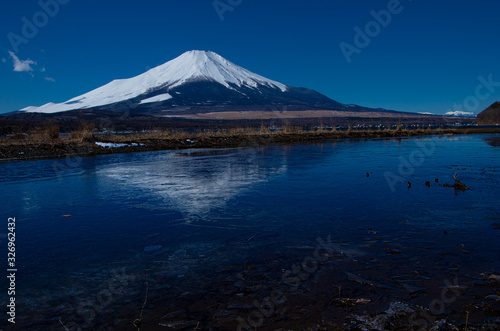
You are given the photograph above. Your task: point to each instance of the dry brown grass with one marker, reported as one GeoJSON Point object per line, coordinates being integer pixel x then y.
{"type": "Point", "coordinates": [85, 132]}
{"type": "Point", "coordinates": [265, 132]}
{"type": "Point", "coordinates": [47, 132]}
{"type": "Point", "coordinates": [182, 135]}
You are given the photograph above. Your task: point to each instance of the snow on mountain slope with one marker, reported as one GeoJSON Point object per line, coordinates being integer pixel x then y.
{"type": "Point", "coordinates": [191, 66]}
{"type": "Point", "coordinates": [158, 98]}
{"type": "Point", "coordinates": [459, 113]}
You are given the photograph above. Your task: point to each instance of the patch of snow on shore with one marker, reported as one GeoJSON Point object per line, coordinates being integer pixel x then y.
{"type": "Point", "coordinates": [114, 145]}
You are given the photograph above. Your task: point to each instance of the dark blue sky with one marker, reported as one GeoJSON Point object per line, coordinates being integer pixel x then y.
{"type": "Point", "coordinates": [426, 59]}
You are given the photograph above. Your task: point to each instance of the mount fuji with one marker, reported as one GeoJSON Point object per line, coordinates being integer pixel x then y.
{"type": "Point", "coordinates": [196, 82]}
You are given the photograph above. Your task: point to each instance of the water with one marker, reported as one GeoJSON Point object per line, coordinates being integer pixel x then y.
{"type": "Point", "coordinates": [209, 233]}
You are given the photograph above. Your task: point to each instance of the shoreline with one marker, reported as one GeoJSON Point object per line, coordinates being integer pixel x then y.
{"type": "Point", "coordinates": [25, 148]}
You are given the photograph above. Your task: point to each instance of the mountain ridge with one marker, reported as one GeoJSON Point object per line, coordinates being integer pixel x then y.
{"type": "Point", "coordinates": [490, 115]}
{"type": "Point", "coordinates": [196, 81]}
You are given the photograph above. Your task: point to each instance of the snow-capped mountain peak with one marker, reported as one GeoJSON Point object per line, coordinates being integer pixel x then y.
{"type": "Point", "coordinates": [207, 65]}
{"type": "Point", "coordinates": [192, 66]}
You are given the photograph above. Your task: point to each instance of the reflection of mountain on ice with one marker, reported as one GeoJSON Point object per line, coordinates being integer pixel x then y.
{"type": "Point", "coordinates": [196, 183]}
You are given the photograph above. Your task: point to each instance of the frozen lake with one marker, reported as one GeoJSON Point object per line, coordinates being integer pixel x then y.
{"type": "Point", "coordinates": [212, 234]}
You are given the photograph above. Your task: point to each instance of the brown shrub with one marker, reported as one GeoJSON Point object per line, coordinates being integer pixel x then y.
{"type": "Point", "coordinates": [85, 132]}
{"type": "Point", "coordinates": [47, 132]}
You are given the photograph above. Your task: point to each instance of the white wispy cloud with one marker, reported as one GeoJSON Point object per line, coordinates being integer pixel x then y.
{"type": "Point", "coordinates": [43, 70]}
{"type": "Point", "coordinates": [4, 60]}
{"type": "Point", "coordinates": [21, 65]}
{"type": "Point", "coordinates": [50, 79]}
